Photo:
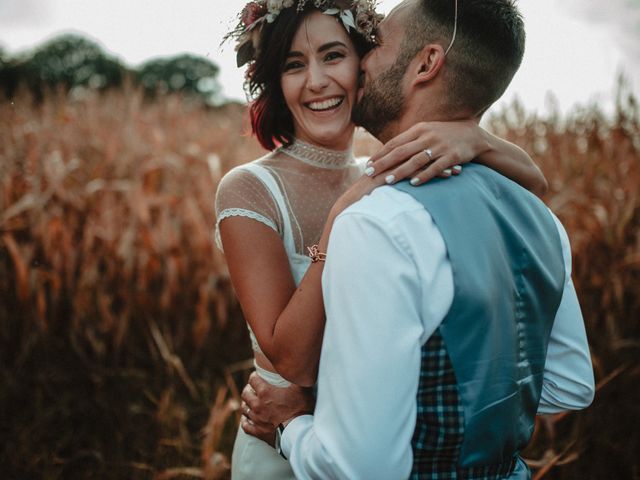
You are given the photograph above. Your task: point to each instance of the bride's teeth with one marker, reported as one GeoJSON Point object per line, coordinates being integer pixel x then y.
{"type": "Point", "coordinates": [325, 104]}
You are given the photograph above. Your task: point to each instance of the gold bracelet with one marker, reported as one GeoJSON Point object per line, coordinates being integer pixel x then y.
{"type": "Point", "coordinates": [315, 254]}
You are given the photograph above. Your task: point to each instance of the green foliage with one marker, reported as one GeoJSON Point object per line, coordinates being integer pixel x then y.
{"type": "Point", "coordinates": [185, 73]}
{"type": "Point", "coordinates": [71, 61]}
{"type": "Point", "coordinates": [10, 76]}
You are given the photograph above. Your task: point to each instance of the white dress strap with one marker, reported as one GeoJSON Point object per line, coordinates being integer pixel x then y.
{"type": "Point", "coordinates": [267, 178]}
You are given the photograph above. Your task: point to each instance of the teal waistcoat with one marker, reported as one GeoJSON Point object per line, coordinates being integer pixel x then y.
{"type": "Point", "coordinates": [508, 273]}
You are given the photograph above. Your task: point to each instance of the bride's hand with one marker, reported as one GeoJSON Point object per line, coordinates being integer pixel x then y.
{"type": "Point", "coordinates": [428, 150]}
{"type": "Point", "coordinates": [363, 186]}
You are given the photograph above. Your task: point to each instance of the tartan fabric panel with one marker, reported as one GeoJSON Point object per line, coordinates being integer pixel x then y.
{"type": "Point", "coordinates": [439, 431]}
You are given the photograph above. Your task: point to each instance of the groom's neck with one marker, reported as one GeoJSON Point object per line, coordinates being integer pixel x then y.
{"type": "Point", "coordinates": [423, 113]}
{"type": "Point", "coordinates": [424, 108]}
{"type": "Point", "coordinates": [389, 132]}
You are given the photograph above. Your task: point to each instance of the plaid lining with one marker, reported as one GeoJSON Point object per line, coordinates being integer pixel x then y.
{"type": "Point", "coordinates": [439, 429]}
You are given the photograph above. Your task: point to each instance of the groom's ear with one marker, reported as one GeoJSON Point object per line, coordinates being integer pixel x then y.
{"type": "Point", "coordinates": [427, 64]}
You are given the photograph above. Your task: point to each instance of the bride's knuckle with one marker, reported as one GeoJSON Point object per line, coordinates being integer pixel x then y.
{"type": "Point", "coordinates": [416, 163]}
{"type": "Point", "coordinates": [381, 166]}
{"type": "Point", "coordinates": [404, 152]}
{"type": "Point", "coordinates": [403, 172]}
{"type": "Point", "coordinates": [419, 160]}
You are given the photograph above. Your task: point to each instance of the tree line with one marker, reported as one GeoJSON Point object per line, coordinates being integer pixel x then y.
{"type": "Point", "coordinates": [71, 61]}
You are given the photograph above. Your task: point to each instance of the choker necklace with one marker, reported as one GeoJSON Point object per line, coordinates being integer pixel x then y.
{"type": "Point", "coordinates": [318, 156]}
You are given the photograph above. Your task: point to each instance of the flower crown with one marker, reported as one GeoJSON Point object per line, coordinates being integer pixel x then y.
{"type": "Point", "coordinates": [357, 14]}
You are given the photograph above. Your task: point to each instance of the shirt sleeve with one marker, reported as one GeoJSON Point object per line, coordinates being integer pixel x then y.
{"type": "Point", "coordinates": [568, 382]}
{"type": "Point", "coordinates": [242, 194]}
{"type": "Point", "coordinates": [370, 362]}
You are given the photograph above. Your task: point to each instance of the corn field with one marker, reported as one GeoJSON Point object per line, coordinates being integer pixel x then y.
{"type": "Point", "coordinates": [122, 347]}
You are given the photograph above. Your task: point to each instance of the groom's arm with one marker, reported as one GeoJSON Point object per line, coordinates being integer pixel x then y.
{"type": "Point", "coordinates": [366, 407]}
{"type": "Point", "coordinates": [568, 382]}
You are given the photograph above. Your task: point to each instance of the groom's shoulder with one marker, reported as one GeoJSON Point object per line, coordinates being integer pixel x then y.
{"type": "Point", "coordinates": [384, 204]}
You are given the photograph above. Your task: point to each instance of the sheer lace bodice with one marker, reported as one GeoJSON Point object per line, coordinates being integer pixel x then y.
{"type": "Point", "coordinates": [308, 179]}
{"type": "Point", "coordinates": [290, 190]}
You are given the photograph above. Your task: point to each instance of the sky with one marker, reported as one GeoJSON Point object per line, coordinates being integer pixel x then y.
{"type": "Point", "coordinates": [575, 48]}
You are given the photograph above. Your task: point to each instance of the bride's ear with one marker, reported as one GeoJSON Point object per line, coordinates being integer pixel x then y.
{"type": "Point", "coordinates": [427, 64]}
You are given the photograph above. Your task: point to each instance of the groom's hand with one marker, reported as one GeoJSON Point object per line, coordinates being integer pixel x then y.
{"type": "Point", "coordinates": [265, 406]}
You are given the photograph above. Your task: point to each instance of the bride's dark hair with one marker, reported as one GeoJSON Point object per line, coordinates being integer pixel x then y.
{"type": "Point", "coordinates": [271, 120]}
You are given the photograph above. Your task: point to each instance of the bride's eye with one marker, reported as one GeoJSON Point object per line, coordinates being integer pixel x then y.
{"type": "Point", "coordinates": [333, 56]}
{"type": "Point", "coordinates": [292, 66]}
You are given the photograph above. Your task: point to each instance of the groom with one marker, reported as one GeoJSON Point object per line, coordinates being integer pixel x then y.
{"type": "Point", "coordinates": [451, 316]}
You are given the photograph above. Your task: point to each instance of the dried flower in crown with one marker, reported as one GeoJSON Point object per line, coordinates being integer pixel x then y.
{"type": "Point", "coordinates": [357, 14]}
{"type": "Point", "coordinates": [252, 12]}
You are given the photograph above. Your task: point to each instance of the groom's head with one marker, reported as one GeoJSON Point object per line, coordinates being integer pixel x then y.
{"type": "Point", "coordinates": [417, 74]}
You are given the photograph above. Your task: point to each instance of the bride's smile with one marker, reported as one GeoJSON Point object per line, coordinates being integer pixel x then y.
{"type": "Point", "coordinates": [325, 105]}
{"type": "Point", "coordinates": [319, 82]}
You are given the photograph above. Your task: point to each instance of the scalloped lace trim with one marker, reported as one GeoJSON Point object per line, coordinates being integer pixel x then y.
{"type": "Point", "coordinates": [240, 212]}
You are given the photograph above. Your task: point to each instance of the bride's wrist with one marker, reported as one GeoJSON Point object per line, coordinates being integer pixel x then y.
{"type": "Point", "coordinates": [336, 210]}
{"type": "Point", "coordinates": [485, 143]}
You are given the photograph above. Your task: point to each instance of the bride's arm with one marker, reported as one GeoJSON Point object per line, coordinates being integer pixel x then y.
{"type": "Point", "coordinates": [450, 144]}
{"type": "Point", "coordinates": [288, 322]}
{"type": "Point", "coordinates": [513, 162]}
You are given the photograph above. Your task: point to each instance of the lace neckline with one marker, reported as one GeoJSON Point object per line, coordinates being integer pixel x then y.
{"type": "Point", "coordinates": [318, 156]}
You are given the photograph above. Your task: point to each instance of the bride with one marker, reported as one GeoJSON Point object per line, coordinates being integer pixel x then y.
{"type": "Point", "coordinates": [303, 67]}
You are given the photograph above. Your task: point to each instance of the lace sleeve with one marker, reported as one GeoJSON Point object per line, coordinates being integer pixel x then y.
{"type": "Point", "coordinates": [241, 194]}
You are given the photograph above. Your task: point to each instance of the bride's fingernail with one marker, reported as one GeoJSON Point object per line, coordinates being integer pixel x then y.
{"type": "Point", "coordinates": [369, 171]}
{"type": "Point", "coordinates": [369, 163]}
{"type": "Point", "coordinates": [447, 171]}
{"type": "Point", "coordinates": [457, 168]}
{"type": "Point", "coordinates": [390, 179]}
{"type": "Point", "coordinates": [415, 181]}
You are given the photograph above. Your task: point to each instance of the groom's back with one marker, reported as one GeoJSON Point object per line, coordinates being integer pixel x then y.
{"type": "Point", "coordinates": [481, 374]}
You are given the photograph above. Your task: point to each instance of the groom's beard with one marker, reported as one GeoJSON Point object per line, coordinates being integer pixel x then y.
{"type": "Point", "coordinates": [382, 101]}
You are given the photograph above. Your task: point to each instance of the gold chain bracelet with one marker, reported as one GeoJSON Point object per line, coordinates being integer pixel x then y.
{"type": "Point", "coordinates": [315, 254]}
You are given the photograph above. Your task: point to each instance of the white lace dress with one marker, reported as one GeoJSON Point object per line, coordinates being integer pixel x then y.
{"type": "Point", "coordinates": [290, 190]}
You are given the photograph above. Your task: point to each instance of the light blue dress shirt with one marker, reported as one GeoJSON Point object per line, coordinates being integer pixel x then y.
{"type": "Point", "coordinates": [387, 286]}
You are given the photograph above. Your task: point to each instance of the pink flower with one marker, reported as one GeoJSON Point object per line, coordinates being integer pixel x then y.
{"type": "Point", "coordinates": [252, 12]}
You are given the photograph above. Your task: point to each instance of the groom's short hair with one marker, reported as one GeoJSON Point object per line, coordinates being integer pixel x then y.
{"type": "Point", "coordinates": [486, 53]}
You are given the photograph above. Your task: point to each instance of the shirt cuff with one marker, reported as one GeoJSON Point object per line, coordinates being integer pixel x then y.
{"type": "Point", "coordinates": [293, 431]}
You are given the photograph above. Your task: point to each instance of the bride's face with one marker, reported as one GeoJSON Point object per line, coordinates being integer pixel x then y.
{"type": "Point", "coordinates": [319, 82]}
